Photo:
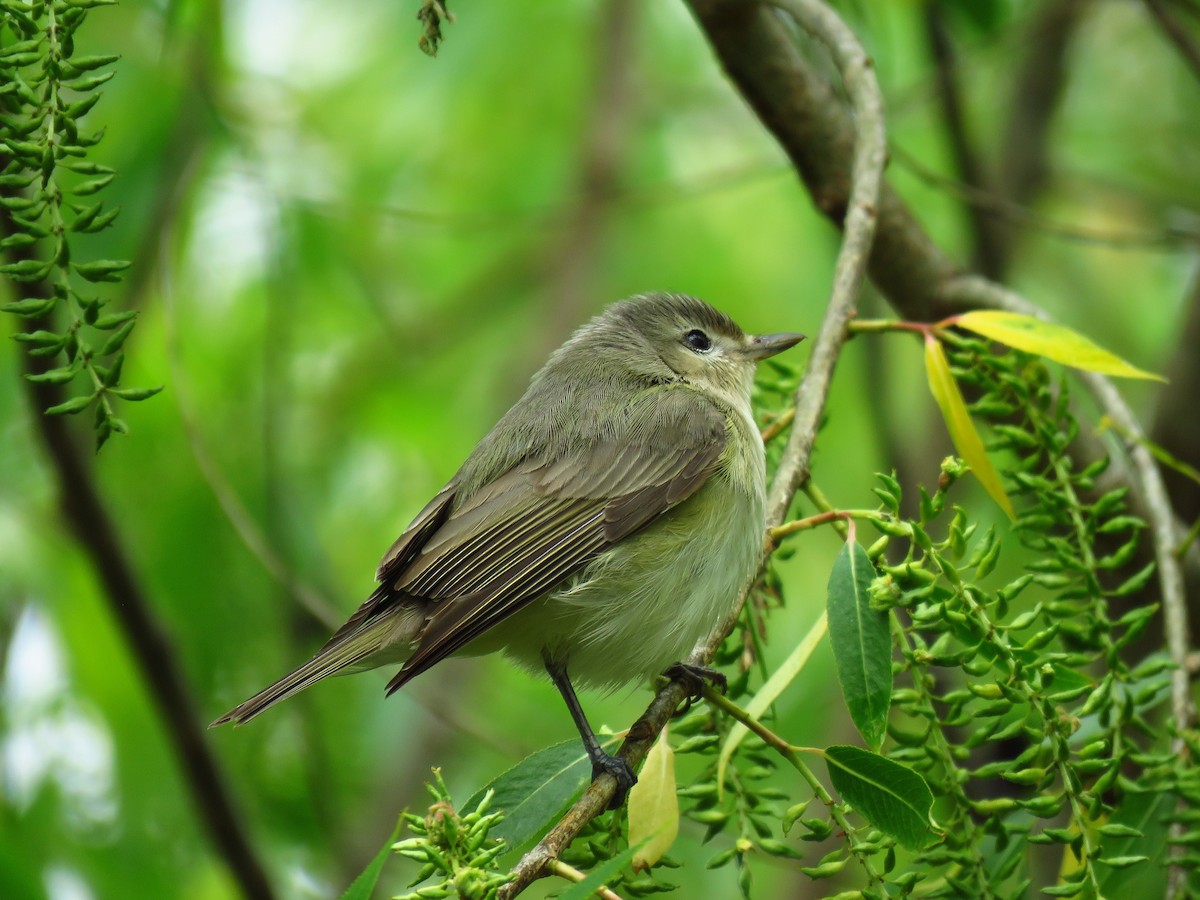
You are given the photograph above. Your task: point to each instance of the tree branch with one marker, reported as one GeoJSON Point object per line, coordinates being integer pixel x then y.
{"type": "Point", "coordinates": [96, 532]}
{"type": "Point", "coordinates": [1176, 33]}
{"type": "Point", "coordinates": [869, 156]}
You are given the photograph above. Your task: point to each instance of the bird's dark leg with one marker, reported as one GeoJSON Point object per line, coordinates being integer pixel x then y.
{"type": "Point", "coordinates": [693, 678]}
{"type": "Point", "coordinates": [601, 762]}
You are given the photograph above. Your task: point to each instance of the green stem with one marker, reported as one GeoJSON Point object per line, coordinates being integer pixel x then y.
{"type": "Point", "coordinates": [792, 755]}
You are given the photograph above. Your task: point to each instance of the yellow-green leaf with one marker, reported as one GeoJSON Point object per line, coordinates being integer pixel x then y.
{"type": "Point", "coordinates": [653, 806]}
{"type": "Point", "coordinates": [1056, 342]}
{"type": "Point", "coordinates": [962, 430]}
{"type": "Point", "coordinates": [769, 692]}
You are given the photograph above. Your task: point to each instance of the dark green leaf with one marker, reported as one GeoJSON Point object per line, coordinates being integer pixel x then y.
{"type": "Point", "coordinates": [536, 790]}
{"type": "Point", "coordinates": [861, 641]}
{"type": "Point", "coordinates": [135, 394]}
{"type": "Point", "coordinates": [30, 307]}
{"type": "Point", "coordinates": [117, 339]}
{"type": "Point", "coordinates": [364, 885]}
{"type": "Point", "coordinates": [71, 407]}
{"type": "Point", "coordinates": [892, 797]}
{"type": "Point", "coordinates": [102, 269]}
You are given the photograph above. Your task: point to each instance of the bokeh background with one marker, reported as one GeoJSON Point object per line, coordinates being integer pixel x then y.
{"type": "Point", "coordinates": [348, 259]}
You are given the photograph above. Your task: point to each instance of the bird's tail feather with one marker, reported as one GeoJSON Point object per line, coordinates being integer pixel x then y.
{"type": "Point", "coordinates": [331, 659]}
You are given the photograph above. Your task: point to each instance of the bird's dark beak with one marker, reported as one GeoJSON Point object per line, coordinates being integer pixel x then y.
{"type": "Point", "coordinates": [760, 346]}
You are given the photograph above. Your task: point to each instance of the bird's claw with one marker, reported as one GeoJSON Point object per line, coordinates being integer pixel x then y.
{"type": "Point", "coordinates": [620, 770]}
{"type": "Point", "coordinates": [693, 679]}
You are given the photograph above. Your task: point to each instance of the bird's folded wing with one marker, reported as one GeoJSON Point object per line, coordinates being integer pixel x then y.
{"type": "Point", "coordinates": [544, 520]}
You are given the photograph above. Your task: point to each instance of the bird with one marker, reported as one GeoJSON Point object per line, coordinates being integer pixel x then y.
{"type": "Point", "coordinates": [599, 531]}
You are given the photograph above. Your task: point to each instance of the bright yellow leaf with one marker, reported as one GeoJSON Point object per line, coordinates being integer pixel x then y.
{"type": "Point", "coordinates": [653, 806]}
{"type": "Point", "coordinates": [1056, 342]}
{"type": "Point", "coordinates": [962, 430]}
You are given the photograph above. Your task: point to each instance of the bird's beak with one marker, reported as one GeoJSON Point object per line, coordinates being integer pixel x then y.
{"type": "Point", "coordinates": [760, 346]}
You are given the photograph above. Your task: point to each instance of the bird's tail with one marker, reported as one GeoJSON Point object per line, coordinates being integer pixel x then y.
{"type": "Point", "coordinates": [341, 653]}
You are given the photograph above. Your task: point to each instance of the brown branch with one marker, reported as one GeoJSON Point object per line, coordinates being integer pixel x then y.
{"type": "Point", "coordinates": [800, 108]}
{"type": "Point", "coordinates": [869, 156]}
{"type": "Point", "coordinates": [86, 514]}
{"type": "Point", "coordinates": [985, 238]}
{"type": "Point", "coordinates": [88, 517]}
{"type": "Point", "coordinates": [1184, 41]}
{"type": "Point", "coordinates": [574, 256]}
{"type": "Point", "coordinates": [1040, 81]}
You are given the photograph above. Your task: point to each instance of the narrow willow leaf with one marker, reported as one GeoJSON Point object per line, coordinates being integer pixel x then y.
{"type": "Point", "coordinates": [769, 693]}
{"type": "Point", "coordinates": [117, 339]}
{"type": "Point", "coordinates": [30, 307]}
{"type": "Point", "coordinates": [71, 407]}
{"type": "Point", "coordinates": [962, 430]}
{"type": "Point", "coordinates": [364, 885]}
{"type": "Point", "coordinates": [586, 889]}
{"type": "Point", "coordinates": [1056, 342]}
{"type": "Point", "coordinates": [135, 394]}
{"type": "Point", "coordinates": [1146, 816]}
{"type": "Point", "coordinates": [861, 641]}
{"type": "Point", "coordinates": [102, 269]}
{"type": "Point", "coordinates": [537, 789]}
{"type": "Point", "coordinates": [653, 805]}
{"type": "Point", "coordinates": [892, 797]}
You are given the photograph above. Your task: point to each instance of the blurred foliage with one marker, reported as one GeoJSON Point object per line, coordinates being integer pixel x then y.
{"type": "Point", "coordinates": [347, 259]}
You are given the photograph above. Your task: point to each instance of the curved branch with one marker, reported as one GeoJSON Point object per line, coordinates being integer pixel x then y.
{"type": "Point", "coordinates": [869, 157]}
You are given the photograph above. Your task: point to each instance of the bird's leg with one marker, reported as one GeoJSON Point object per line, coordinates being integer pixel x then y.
{"type": "Point", "coordinates": [601, 761]}
{"type": "Point", "coordinates": [693, 678]}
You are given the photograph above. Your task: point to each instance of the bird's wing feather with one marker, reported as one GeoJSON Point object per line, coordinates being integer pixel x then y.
{"type": "Point", "coordinates": [544, 520]}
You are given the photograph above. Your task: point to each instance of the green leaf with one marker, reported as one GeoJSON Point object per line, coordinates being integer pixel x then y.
{"type": "Point", "coordinates": [535, 791]}
{"type": "Point", "coordinates": [892, 797]}
{"type": "Point", "coordinates": [109, 322]}
{"type": "Point", "coordinates": [27, 270]}
{"type": "Point", "coordinates": [92, 186]}
{"type": "Point", "coordinates": [99, 223]}
{"type": "Point", "coordinates": [55, 376]}
{"type": "Point", "coordinates": [364, 885]}
{"type": "Point", "coordinates": [1145, 815]}
{"type": "Point", "coordinates": [958, 421]}
{"type": "Point", "coordinates": [30, 307]}
{"type": "Point", "coordinates": [135, 394]}
{"type": "Point", "coordinates": [769, 693]}
{"type": "Point", "coordinates": [71, 407]}
{"type": "Point", "coordinates": [1056, 342]}
{"type": "Point", "coordinates": [862, 643]}
{"type": "Point", "coordinates": [653, 808]}
{"type": "Point", "coordinates": [586, 889]}
{"type": "Point", "coordinates": [89, 82]}
{"type": "Point", "coordinates": [117, 339]}
{"type": "Point", "coordinates": [102, 269]}
{"type": "Point", "coordinates": [87, 63]}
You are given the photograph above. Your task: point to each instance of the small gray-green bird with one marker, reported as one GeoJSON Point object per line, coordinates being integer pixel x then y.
{"type": "Point", "coordinates": [599, 531]}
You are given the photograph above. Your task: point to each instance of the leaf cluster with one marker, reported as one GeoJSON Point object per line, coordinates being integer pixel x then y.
{"type": "Point", "coordinates": [456, 849]}
{"type": "Point", "coordinates": [49, 196]}
{"type": "Point", "coordinates": [1020, 707]}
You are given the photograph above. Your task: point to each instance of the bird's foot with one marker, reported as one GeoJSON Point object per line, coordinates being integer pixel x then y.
{"type": "Point", "coordinates": [693, 679]}
{"type": "Point", "coordinates": [604, 763]}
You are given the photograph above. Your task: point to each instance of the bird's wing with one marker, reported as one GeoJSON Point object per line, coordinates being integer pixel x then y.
{"type": "Point", "coordinates": [543, 520]}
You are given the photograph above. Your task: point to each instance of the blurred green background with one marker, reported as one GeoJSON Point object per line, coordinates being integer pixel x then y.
{"type": "Point", "coordinates": [348, 259]}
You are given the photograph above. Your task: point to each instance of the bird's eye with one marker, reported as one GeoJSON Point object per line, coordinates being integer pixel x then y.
{"type": "Point", "coordinates": [697, 340]}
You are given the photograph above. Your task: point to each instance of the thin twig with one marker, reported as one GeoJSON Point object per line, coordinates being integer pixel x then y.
{"type": "Point", "coordinates": [1168, 238]}
{"type": "Point", "coordinates": [870, 153]}
{"type": "Point", "coordinates": [570, 873]}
